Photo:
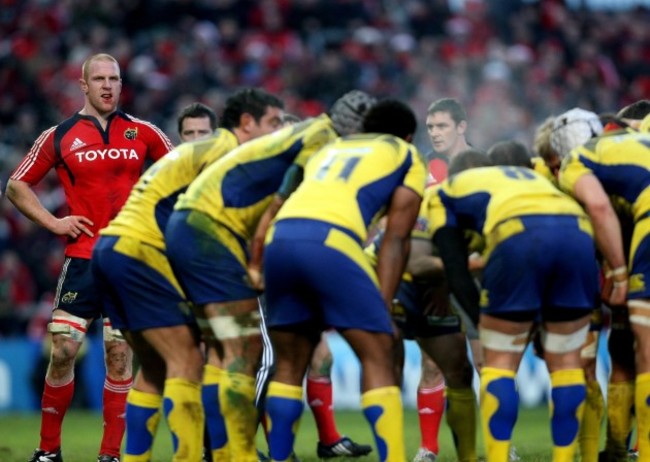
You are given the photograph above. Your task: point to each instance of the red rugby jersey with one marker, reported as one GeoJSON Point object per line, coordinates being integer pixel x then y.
{"type": "Point", "coordinates": [96, 167]}
{"type": "Point", "coordinates": [438, 166]}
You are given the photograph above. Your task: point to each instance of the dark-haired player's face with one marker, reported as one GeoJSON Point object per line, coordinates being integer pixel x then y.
{"type": "Point", "coordinates": [194, 128]}
{"type": "Point", "coordinates": [269, 122]}
{"type": "Point", "coordinates": [445, 133]}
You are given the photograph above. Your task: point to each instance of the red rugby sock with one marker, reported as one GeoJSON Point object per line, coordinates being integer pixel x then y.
{"type": "Point", "coordinates": [54, 404]}
{"type": "Point", "coordinates": [114, 396]}
{"type": "Point", "coordinates": [319, 398]}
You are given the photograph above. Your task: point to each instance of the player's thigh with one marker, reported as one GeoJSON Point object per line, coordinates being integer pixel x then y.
{"type": "Point", "coordinates": [139, 289]}
{"type": "Point", "coordinates": [451, 358]}
{"type": "Point", "coordinates": [153, 369]}
{"type": "Point", "coordinates": [377, 353]}
{"type": "Point", "coordinates": [293, 349]}
{"type": "Point", "coordinates": [77, 292]}
{"type": "Point", "coordinates": [640, 262]}
{"type": "Point", "coordinates": [213, 267]}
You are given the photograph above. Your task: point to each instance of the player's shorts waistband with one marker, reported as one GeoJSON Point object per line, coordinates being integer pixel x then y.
{"type": "Point", "coordinates": [307, 230]}
{"type": "Point", "coordinates": [516, 225]}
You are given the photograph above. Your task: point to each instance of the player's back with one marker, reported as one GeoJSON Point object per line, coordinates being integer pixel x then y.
{"type": "Point", "coordinates": [145, 214]}
{"type": "Point", "coordinates": [481, 198]}
{"type": "Point", "coordinates": [350, 182]}
{"type": "Point", "coordinates": [236, 189]}
{"type": "Point", "coordinates": [621, 162]}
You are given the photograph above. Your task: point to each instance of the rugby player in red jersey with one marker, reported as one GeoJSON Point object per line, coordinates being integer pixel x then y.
{"type": "Point", "coordinates": [98, 155]}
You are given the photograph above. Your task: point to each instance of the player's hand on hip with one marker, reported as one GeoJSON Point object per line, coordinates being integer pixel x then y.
{"type": "Point", "coordinates": [73, 226]}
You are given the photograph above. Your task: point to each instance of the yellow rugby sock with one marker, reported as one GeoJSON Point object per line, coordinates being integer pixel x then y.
{"type": "Point", "coordinates": [284, 407]}
{"type": "Point", "coordinates": [620, 400]}
{"type": "Point", "coordinates": [591, 422]}
{"type": "Point", "coordinates": [237, 400]}
{"type": "Point", "coordinates": [142, 419]}
{"type": "Point", "coordinates": [383, 410]}
{"type": "Point", "coordinates": [212, 378]}
{"type": "Point", "coordinates": [642, 410]}
{"type": "Point", "coordinates": [461, 417]}
{"type": "Point", "coordinates": [499, 409]}
{"type": "Point", "coordinates": [184, 411]}
{"type": "Point", "coordinates": [568, 393]}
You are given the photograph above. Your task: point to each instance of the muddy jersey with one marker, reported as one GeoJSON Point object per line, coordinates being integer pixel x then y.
{"type": "Point", "coordinates": [146, 212]}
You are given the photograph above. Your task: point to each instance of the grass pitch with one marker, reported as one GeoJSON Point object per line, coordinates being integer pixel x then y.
{"type": "Point", "coordinates": [82, 433]}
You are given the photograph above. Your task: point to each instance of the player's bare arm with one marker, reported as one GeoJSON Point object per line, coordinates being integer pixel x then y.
{"type": "Point", "coordinates": [292, 179]}
{"type": "Point", "coordinates": [453, 251]}
{"type": "Point", "coordinates": [607, 232]}
{"type": "Point", "coordinates": [257, 243]}
{"type": "Point", "coordinates": [396, 244]}
{"type": "Point", "coordinates": [25, 200]}
{"type": "Point", "coordinates": [421, 263]}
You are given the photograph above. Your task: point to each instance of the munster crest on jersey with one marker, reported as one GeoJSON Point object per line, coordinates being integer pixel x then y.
{"type": "Point", "coordinates": [131, 133]}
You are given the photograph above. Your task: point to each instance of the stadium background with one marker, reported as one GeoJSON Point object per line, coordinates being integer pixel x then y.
{"type": "Point", "coordinates": [511, 63]}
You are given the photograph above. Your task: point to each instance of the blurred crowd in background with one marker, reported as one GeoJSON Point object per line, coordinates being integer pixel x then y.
{"type": "Point", "coordinates": [511, 63]}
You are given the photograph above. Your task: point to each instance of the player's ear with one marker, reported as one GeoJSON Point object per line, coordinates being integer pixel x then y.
{"type": "Point", "coordinates": [246, 121]}
{"type": "Point", "coordinates": [83, 85]}
{"type": "Point", "coordinates": [462, 127]}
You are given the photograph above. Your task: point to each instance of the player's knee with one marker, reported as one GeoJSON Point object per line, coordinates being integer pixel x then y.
{"type": "Point", "coordinates": [431, 376]}
{"type": "Point", "coordinates": [192, 360]}
{"type": "Point", "coordinates": [321, 362]}
{"type": "Point", "coordinates": [119, 359]}
{"type": "Point", "coordinates": [62, 357]}
{"type": "Point", "coordinates": [460, 375]}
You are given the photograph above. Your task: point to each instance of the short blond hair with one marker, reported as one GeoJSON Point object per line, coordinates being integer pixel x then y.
{"type": "Point", "coordinates": [542, 139]}
{"type": "Point", "coordinates": [97, 57]}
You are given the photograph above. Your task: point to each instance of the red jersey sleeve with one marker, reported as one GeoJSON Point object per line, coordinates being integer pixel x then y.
{"type": "Point", "coordinates": [39, 160]}
{"type": "Point", "coordinates": [158, 143]}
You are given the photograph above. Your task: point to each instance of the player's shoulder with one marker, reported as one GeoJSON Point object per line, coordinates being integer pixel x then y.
{"type": "Point", "coordinates": [64, 126]}
{"type": "Point", "coordinates": [138, 124]}
{"type": "Point", "coordinates": [222, 140]}
{"type": "Point", "coordinates": [319, 127]}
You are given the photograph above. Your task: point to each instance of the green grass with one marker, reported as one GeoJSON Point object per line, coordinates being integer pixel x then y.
{"type": "Point", "coordinates": [82, 433]}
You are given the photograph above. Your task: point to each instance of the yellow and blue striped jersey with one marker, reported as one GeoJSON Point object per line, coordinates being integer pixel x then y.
{"type": "Point", "coordinates": [540, 167]}
{"type": "Point", "coordinates": [145, 213]}
{"type": "Point", "coordinates": [350, 182]}
{"type": "Point", "coordinates": [482, 198]}
{"type": "Point", "coordinates": [236, 190]}
{"type": "Point", "coordinates": [621, 162]}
